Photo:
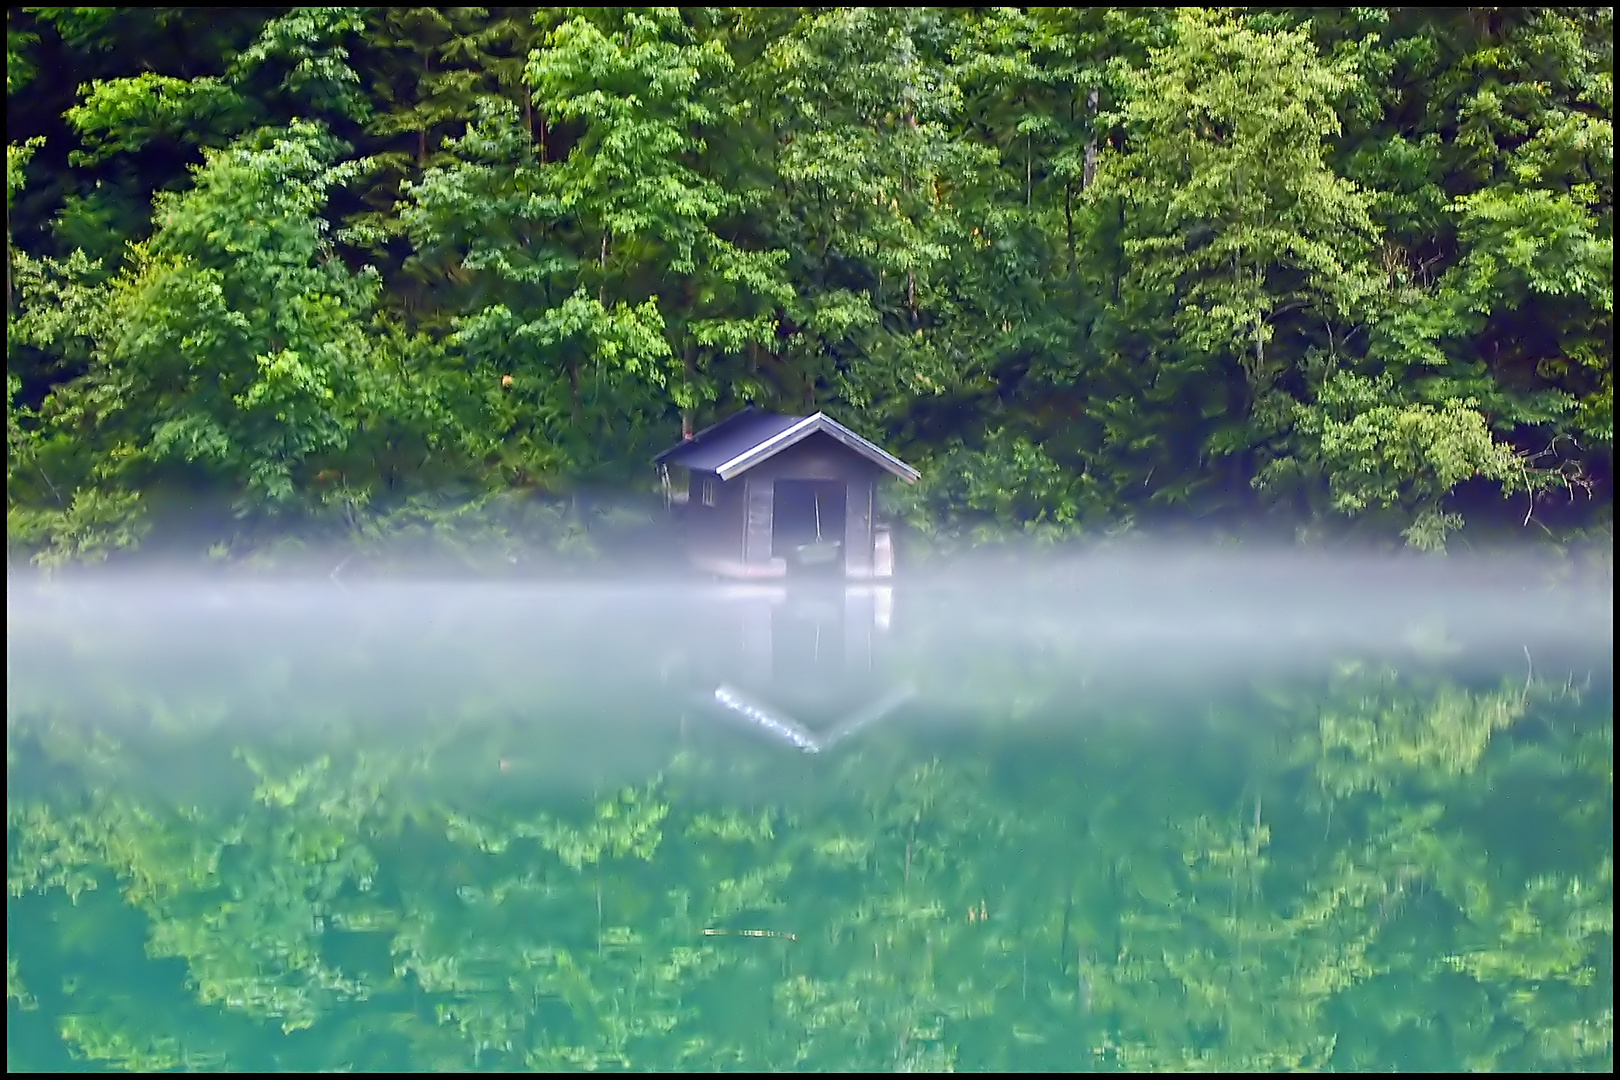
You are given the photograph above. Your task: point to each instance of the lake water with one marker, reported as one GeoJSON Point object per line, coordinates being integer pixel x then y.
{"type": "Point", "coordinates": [1121, 817]}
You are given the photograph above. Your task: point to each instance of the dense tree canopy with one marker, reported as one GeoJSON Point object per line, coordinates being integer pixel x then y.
{"type": "Point", "coordinates": [343, 272]}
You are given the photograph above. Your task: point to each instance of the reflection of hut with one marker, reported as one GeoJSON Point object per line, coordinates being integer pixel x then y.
{"type": "Point", "coordinates": [803, 667]}
{"type": "Point", "coordinates": [764, 495]}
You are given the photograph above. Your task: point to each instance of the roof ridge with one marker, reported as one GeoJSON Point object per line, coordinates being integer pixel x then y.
{"type": "Point", "coordinates": [761, 434]}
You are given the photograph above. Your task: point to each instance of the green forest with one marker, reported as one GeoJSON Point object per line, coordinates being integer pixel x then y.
{"type": "Point", "coordinates": [365, 275]}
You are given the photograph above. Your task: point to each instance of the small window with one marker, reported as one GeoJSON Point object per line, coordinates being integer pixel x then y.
{"type": "Point", "coordinates": [707, 493]}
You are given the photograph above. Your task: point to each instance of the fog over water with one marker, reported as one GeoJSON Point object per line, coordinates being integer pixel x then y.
{"type": "Point", "coordinates": [622, 661]}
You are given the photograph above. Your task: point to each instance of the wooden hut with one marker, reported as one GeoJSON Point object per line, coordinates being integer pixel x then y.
{"type": "Point", "coordinates": [764, 495]}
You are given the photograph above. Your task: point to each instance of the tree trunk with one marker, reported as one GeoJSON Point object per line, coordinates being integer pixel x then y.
{"type": "Point", "coordinates": [1119, 261]}
{"type": "Point", "coordinates": [689, 363]}
{"type": "Point", "coordinates": [422, 133]}
{"type": "Point", "coordinates": [1259, 334]}
{"type": "Point", "coordinates": [1089, 172]}
{"type": "Point", "coordinates": [1068, 225]}
{"type": "Point", "coordinates": [1029, 170]}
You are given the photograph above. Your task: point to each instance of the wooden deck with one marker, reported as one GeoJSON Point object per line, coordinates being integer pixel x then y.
{"type": "Point", "coordinates": [777, 569]}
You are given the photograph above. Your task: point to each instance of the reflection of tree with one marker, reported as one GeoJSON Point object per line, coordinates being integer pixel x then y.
{"type": "Point", "coordinates": [15, 990]}
{"type": "Point", "coordinates": [1343, 898]}
{"type": "Point", "coordinates": [1424, 896]}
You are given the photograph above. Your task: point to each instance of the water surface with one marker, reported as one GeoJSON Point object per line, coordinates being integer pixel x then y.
{"type": "Point", "coordinates": [1124, 817]}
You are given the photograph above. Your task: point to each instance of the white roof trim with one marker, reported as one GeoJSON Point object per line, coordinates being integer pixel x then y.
{"type": "Point", "coordinates": [810, 424]}
{"type": "Point", "coordinates": [765, 449]}
{"type": "Point", "coordinates": [869, 448]}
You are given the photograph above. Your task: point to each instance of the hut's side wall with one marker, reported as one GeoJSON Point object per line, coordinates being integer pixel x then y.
{"type": "Point", "coordinates": [715, 532]}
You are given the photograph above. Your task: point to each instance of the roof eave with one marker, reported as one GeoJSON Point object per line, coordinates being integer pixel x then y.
{"type": "Point", "coordinates": [870, 450]}
{"type": "Point", "coordinates": [803, 430]}
{"type": "Point", "coordinates": [771, 446]}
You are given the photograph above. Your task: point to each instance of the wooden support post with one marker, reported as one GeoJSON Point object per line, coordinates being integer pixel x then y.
{"type": "Point", "coordinates": [758, 521]}
{"type": "Point", "coordinates": [858, 528]}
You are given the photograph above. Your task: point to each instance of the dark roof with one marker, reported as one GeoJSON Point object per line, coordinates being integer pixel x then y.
{"type": "Point", "coordinates": [715, 445]}
{"type": "Point", "coordinates": [743, 440]}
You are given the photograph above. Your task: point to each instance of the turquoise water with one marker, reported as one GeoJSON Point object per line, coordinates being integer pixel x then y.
{"type": "Point", "coordinates": [1134, 823]}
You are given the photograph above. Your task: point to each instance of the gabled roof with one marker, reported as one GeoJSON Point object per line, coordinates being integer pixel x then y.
{"type": "Point", "coordinates": [743, 440]}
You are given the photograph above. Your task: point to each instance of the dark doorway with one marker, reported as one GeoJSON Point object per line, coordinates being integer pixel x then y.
{"type": "Point", "coordinates": [808, 526]}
